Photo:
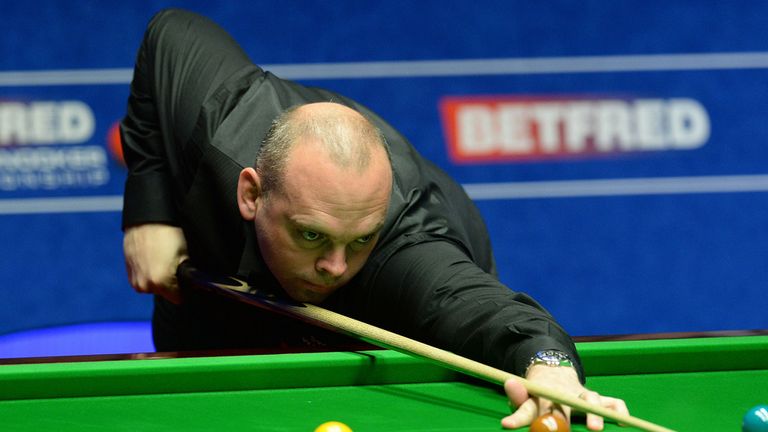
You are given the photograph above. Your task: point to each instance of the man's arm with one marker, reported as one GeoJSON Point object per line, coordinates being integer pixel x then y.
{"type": "Point", "coordinates": [182, 62]}
{"type": "Point", "coordinates": [443, 298]}
{"type": "Point", "coordinates": [433, 292]}
{"type": "Point", "coordinates": [151, 244]}
{"type": "Point", "coordinates": [183, 59]}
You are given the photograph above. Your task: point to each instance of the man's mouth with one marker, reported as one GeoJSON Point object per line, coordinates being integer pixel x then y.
{"type": "Point", "coordinates": [321, 288]}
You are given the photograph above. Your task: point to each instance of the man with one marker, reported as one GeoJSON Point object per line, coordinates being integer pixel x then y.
{"type": "Point", "coordinates": [339, 210]}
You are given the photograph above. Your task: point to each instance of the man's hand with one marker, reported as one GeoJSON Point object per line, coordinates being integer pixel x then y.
{"type": "Point", "coordinates": [152, 254]}
{"type": "Point", "coordinates": [563, 379]}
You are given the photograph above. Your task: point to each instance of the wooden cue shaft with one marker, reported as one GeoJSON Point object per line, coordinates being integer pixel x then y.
{"type": "Point", "coordinates": [387, 339]}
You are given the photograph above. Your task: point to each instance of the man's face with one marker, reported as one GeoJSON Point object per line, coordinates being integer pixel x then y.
{"type": "Point", "coordinates": [318, 231]}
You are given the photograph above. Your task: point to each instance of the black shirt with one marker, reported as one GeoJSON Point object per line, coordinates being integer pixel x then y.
{"type": "Point", "coordinates": [198, 111]}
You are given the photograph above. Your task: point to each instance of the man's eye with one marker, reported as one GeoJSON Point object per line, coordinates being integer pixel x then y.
{"type": "Point", "coordinates": [365, 239]}
{"type": "Point", "coordinates": [310, 235]}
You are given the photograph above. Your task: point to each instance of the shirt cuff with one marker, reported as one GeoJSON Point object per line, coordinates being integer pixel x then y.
{"type": "Point", "coordinates": [148, 198]}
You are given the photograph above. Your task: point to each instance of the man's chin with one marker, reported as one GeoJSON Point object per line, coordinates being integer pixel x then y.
{"type": "Point", "coordinates": [308, 295]}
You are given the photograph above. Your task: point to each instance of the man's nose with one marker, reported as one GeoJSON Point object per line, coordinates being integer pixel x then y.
{"type": "Point", "coordinates": [333, 263]}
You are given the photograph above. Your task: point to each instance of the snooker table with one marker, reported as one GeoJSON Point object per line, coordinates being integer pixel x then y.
{"type": "Point", "coordinates": [687, 384]}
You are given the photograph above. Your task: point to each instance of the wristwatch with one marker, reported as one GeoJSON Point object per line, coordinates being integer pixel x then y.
{"type": "Point", "coordinates": [551, 358]}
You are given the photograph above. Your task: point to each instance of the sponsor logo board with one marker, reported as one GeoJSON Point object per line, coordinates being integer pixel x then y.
{"type": "Point", "coordinates": [521, 128]}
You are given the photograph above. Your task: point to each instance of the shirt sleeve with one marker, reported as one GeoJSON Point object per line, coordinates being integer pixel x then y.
{"type": "Point", "coordinates": [183, 60]}
{"type": "Point", "coordinates": [147, 189]}
{"type": "Point", "coordinates": [433, 292]}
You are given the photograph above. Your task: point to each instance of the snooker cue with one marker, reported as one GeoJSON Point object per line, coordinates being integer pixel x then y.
{"type": "Point", "coordinates": [390, 340]}
{"type": "Point", "coordinates": [328, 319]}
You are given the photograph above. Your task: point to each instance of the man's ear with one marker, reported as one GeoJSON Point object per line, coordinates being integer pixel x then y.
{"type": "Point", "coordinates": [248, 193]}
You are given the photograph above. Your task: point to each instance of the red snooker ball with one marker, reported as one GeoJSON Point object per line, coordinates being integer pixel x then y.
{"type": "Point", "coordinates": [550, 423]}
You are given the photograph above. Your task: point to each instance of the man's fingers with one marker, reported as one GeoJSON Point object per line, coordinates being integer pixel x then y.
{"type": "Point", "coordinates": [594, 422]}
{"type": "Point", "coordinates": [614, 404]}
{"type": "Point", "coordinates": [523, 415]}
{"type": "Point", "coordinates": [516, 392]}
{"type": "Point", "coordinates": [152, 254]}
{"type": "Point", "coordinates": [154, 281]}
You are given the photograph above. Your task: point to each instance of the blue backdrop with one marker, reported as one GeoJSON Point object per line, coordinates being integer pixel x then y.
{"type": "Point", "coordinates": [617, 149]}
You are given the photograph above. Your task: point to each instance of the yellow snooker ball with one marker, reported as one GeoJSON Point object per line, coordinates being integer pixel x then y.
{"type": "Point", "coordinates": [333, 426]}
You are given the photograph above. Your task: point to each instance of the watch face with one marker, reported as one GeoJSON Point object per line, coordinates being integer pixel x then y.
{"type": "Point", "coordinates": [553, 358]}
{"type": "Point", "coordinates": [550, 358]}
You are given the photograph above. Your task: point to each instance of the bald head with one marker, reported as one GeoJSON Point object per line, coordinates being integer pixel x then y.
{"type": "Point", "coordinates": [318, 197]}
{"type": "Point", "coordinates": [348, 139]}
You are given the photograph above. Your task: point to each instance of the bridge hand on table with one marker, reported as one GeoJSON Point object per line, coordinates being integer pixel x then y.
{"type": "Point", "coordinates": [564, 379]}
